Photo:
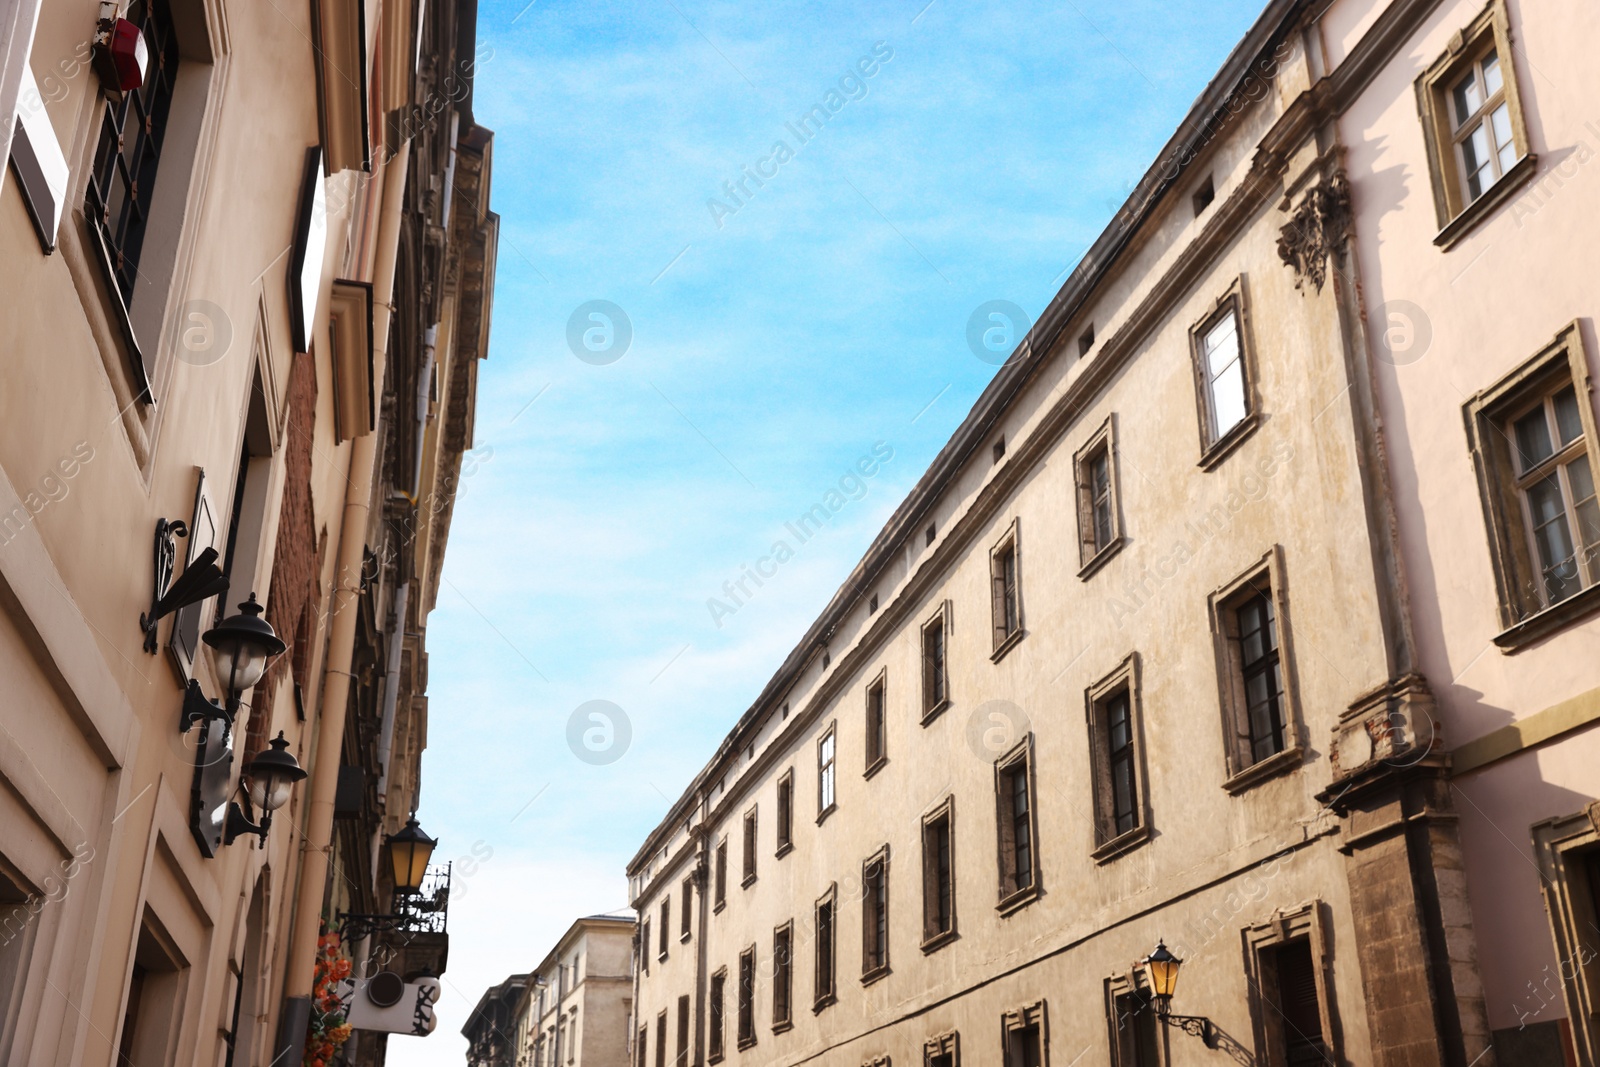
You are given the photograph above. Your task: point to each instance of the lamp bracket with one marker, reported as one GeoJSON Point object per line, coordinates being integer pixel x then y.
{"type": "Point", "coordinates": [240, 824]}
{"type": "Point", "coordinates": [202, 578]}
{"type": "Point", "coordinates": [1194, 1025]}
{"type": "Point", "coordinates": [198, 708]}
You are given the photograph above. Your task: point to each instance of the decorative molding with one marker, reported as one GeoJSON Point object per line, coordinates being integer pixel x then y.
{"type": "Point", "coordinates": [1317, 231]}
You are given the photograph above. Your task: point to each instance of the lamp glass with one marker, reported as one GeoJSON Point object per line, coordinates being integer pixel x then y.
{"type": "Point", "coordinates": [270, 791]}
{"type": "Point", "coordinates": [1163, 969]}
{"type": "Point", "coordinates": [409, 852]}
{"type": "Point", "coordinates": [239, 663]}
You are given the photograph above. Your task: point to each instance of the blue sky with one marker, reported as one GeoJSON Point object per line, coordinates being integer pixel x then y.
{"type": "Point", "coordinates": [777, 337]}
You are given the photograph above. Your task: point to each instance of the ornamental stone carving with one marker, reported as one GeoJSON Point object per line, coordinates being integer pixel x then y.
{"type": "Point", "coordinates": [1317, 231]}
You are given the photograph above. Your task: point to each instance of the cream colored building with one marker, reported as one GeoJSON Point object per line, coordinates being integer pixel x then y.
{"type": "Point", "coordinates": [207, 320]}
{"type": "Point", "coordinates": [574, 1008]}
{"type": "Point", "coordinates": [1160, 647]}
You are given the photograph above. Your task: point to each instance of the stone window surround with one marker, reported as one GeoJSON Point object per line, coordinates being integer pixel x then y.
{"type": "Point", "coordinates": [826, 994]}
{"type": "Point", "coordinates": [1092, 557]}
{"type": "Point", "coordinates": [1560, 847]}
{"type": "Point", "coordinates": [1307, 920]}
{"type": "Point", "coordinates": [879, 685]}
{"type": "Point", "coordinates": [1013, 899]}
{"type": "Point", "coordinates": [1118, 986]}
{"type": "Point", "coordinates": [942, 617]}
{"type": "Point", "coordinates": [751, 826]}
{"type": "Point", "coordinates": [945, 1044]}
{"type": "Point", "coordinates": [1020, 1018]}
{"type": "Point", "coordinates": [785, 816]}
{"type": "Point", "coordinates": [829, 769]}
{"type": "Point", "coordinates": [1564, 356]}
{"type": "Point", "coordinates": [1490, 28]}
{"type": "Point", "coordinates": [716, 1015]}
{"type": "Point", "coordinates": [783, 979]}
{"type": "Point", "coordinates": [1242, 773]}
{"type": "Point", "coordinates": [686, 910]}
{"type": "Point", "coordinates": [933, 940]}
{"type": "Point", "coordinates": [1123, 678]}
{"type": "Point", "coordinates": [746, 1001]}
{"type": "Point", "coordinates": [720, 876]}
{"type": "Point", "coordinates": [1233, 301]}
{"type": "Point", "coordinates": [879, 859]}
{"type": "Point", "coordinates": [1004, 640]}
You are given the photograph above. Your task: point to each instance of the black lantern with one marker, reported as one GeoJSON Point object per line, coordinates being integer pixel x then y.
{"type": "Point", "coordinates": [269, 779]}
{"type": "Point", "coordinates": [1161, 969]}
{"type": "Point", "coordinates": [409, 852]}
{"type": "Point", "coordinates": [241, 646]}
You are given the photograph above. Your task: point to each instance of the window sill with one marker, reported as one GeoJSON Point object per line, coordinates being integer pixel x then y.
{"type": "Point", "coordinates": [748, 881]}
{"type": "Point", "coordinates": [1007, 645]}
{"type": "Point", "coordinates": [825, 812]}
{"type": "Point", "coordinates": [939, 941]}
{"type": "Point", "coordinates": [784, 849]}
{"type": "Point", "coordinates": [1481, 208]}
{"type": "Point", "coordinates": [1229, 442]}
{"type": "Point", "coordinates": [823, 1003]}
{"type": "Point", "coordinates": [783, 1026]}
{"type": "Point", "coordinates": [683, 938]}
{"type": "Point", "coordinates": [1018, 900]}
{"type": "Point", "coordinates": [1542, 624]}
{"type": "Point", "coordinates": [1282, 763]}
{"type": "Point", "coordinates": [875, 766]}
{"type": "Point", "coordinates": [746, 1042]}
{"type": "Point", "coordinates": [874, 975]}
{"type": "Point", "coordinates": [661, 958]}
{"type": "Point", "coordinates": [715, 1057]}
{"type": "Point", "coordinates": [1100, 558]}
{"type": "Point", "coordinates": [716, 909]}
{"type": "Point", "coordinates": [935, 711]}
{"type": "Point", "coordinates": [1121, 843]}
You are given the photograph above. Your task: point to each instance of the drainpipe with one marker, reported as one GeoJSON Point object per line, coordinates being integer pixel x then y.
{"type": "Point", "coordinates": [324, 780]}
{"type": "Point", "coordinates": [391, 686]}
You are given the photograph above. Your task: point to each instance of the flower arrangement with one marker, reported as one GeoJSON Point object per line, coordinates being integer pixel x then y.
{"type": "Point", "coordinates": [328, 1031]}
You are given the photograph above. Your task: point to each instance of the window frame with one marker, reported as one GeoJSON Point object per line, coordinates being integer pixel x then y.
{"type": "Point", "coordinates": [716, 1015]}
{"type": "Point", "coordinates": [1123, 680]}
{"type": "Point", "coordinates": [1118, 988]}
{"type": "Point", "coordinates": [661, 1038]}
{"type": "Point", "coordinates": [945, 1044]}
{"type": "Point", "coordinates": [1243, 771]}
{"type": "Point", "coordinates": [1214, 447]}
{"type": "Point", "coordinates": [825, 994]}
{"type": "Point", "coordinates": [1524, 616]}
{"type": "Point", "coordinates": [933, 938]}
{"type": "Point", "coordinates": [875, 914]}
{"type": "Point", "coordinates": [1013, 897]}
{"type": "Point", "coordinates": [1091, 554]}
{"type": "Point", "coordinates": [1021, 1018]}
{"type": "Point", "coordinates": [720, 876]}
{"type": "Point", "coordinates": [1005, 598]}
{"type": "Point", "coordinates": [750, 826]}
{"type": "Point", "coordinates": [746, 994]}
{"type": "Point", "coordinates": [785, 814]}
{"type": "Point", "coordinates": [940, 622]}
{"type": "Point", "coordinates": [685, 912]}
{"type": "Point", "coordinates": [1262, 940]}
{"type": "Point", "coordinates": [783, 977]}
{"type": "Point", "coordinates": [644, 937]}
{"type": "Point", "coordinates": [666, 927]}
{"type": "Point", "coordinates": [1567, 851]}
{"type": "Point", "coordinates": [876, 735]}
{"type": "Point", "coordinates": [682, 1052]}
{"type": "Point", "coordinates": [828, 772]}
{"type": "Point", "coordinates": [1457, 216]}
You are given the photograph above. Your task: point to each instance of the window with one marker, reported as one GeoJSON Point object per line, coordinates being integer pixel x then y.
{"type": "Point", "coordinates": [1261, 733]}
{"type": "Point", "coordinates": [154, 997]}
{"type": "Point", "coordinates": [1023, 1033]}
{"type": "Point", "coordinates": [935, 681]}
{"type": "Point", "coordinates": [1017, 827]}
{"type": "Point", "coordinates": [1203, 196]}
{"type": "Point", "coordinates": [644, 941]}
{"type": "Point", "coordinates": [938, 876]}
{"type": "Point", "coordinates": [825, 988]}
{"type": "Point", "coordinates": [877, 727]}
{"type": "Point", "coordinates": [666, 924]}
{"type": "Point", "coordinates": [747, 997]}
{"type": "Point", "coordinates": [639, 1053]}
{"type": "Point", "coordinates": [749, 848]}
{"type": "Point", "coordinates": [1532, 437]}
{"type": "Point", "coordinates": [682, 1059]}
{"type": "Point", "coordinates": [719, 983]}
{"type": "Point", "coordinates": [686, 913]}
{"type": "Point", "coordinates": [875, 916]}
{"type": "Point", "coordinates": [1135, 1029]}
{"type": "Point", "coordinates": [998, 452]}
{"type": "Point", "coordinates": [782, 977]}
{"type": "Point", "coordinates": [1470, 105]}
{"type": "Point", "coordinates": [786, 813]}
{"type": "Point", "coordinates": [1224, 379]}
{"type": "Point", "coordinates": [1114, 745]}
{"type": "Point", "coordinates": [825, 774]}
{"type": "Point", "coordinates": [1005, 596]}
{"type": "Point", "coordinates": [1099, 519]}
{"type": "Point", "coordinates": [1567, 850]}
{"type": "Point", "coordinates": [661, 1040]}
{"type": "Point", "coordinates": [721, 878]}
{"type": "Point", "coordinates": [942, 1051]}
{"type": "Point", "coordinates": [929, 536]}
{"type": "Point", "coordinates": [1287, 972]}
{"type": "Point", "coordinates": [121, 187]}
{"type": "Point", "coordinates": [1086, 341]}
{"type": "Point", "coordinates": [247, 524]}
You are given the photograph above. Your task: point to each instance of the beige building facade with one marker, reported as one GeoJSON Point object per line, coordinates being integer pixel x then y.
{"type": "Point", "coordinates": [1174, 642]}
{"type": "Point", "coordinates": [228, 292]}
{"type": "Point", "coordinates": [574, 1008]}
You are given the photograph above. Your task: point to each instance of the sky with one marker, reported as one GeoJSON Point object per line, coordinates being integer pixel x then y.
{"type": "Point", "coordinates": [706, 311]}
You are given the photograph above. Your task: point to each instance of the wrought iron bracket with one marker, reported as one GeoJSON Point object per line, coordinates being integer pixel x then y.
{"type": "Point", "coordinates": [197, 707]}
{"type": "Point", "coordinates": [201, 579]}
{"type": "Point", "coordinates": [1194, 1025]}
{"type": "Point", "coordinates": [239, 824]}
{"type": "Point", "coordinates": [354, 927]}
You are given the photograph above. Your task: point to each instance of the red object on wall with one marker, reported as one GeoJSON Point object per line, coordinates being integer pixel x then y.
{"type": "Point", "coordinates": [122, 56]}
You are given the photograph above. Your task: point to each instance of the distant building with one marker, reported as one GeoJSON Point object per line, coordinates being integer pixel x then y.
{"type": "Point", "coordinates": [575, 1006]}
{"type": "Point", "coordinates": [491, 1028]}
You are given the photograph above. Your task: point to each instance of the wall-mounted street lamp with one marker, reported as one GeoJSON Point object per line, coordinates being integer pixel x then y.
{"type": "Point", "coordinates": [271, 777]}
{"type": "Point", "coordinates": [241, 647]}
{"type": "Point", "coordinates": [407, 851]}
{"type": "Point", "coordinates": [1161, 968]}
